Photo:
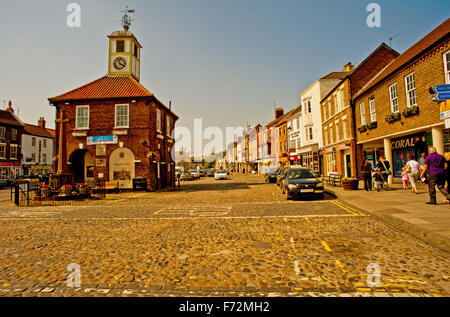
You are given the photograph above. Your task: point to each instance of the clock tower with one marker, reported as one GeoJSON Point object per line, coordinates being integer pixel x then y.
{"type": "Point", "coordinates": [124, 51]}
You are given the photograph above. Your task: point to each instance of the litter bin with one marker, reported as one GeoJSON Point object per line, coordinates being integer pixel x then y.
{"type": "Point", "coordinates": [139, 184]}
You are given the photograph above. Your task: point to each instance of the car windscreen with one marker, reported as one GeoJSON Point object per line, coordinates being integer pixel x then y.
{"type": "Point", "coordinates": [300, 174]}
{"type": "Point", "coordinates": [272, 170]}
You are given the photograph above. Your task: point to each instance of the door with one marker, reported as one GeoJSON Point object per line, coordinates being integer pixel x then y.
{"type": "Point", "coordinates": [348, 164]}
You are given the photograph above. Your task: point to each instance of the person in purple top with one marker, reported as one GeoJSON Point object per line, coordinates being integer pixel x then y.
{"type": "Point", "coordinates": [435, 165]}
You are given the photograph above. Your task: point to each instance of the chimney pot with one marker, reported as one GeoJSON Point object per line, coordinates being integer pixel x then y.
{"type": "Point", "coordinates": [279, 112]}
{"type": "Point", "coordinates": [41, 122]}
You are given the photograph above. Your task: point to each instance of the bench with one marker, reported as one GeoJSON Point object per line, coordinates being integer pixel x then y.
{"type": "Point", "coordinates": [333, 180]}
{"type": "Point", "coordinates": [113, 186]}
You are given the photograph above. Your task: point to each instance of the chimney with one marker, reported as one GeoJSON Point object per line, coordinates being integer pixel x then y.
{"type": "Point", "coordinates": [349, 67]}
{"type": "Point", "coordinates": [10, 109]}
{"type": "Point", "coordinates": [279, 112]}
{"type": "Point", "coordinates": [41, 122]}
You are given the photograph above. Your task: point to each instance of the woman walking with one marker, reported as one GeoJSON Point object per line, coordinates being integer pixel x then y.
{"type": "Point", "coordinates": [413, 169]}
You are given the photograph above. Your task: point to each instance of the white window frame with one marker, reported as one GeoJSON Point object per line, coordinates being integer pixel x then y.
{"type": "Point", "coordinates": [342, 99]}
{"type": "Point", "coordinates": [44, 158]}
{"type": "Point", "coordinates": [33, 157]}
{"type": "Point", "coordinates": [168, 126]}
{"type": "Point", "coordinates": [336, 103]}
{"type": "Point", "coordinates": [3, 145]}
{"type": "Point", "coordinates": [88, 117]}
{"type": "Point", "coordinates": [44, 143]}
{"type": "Point", "coordinates": [338, 134]}
{"type": "Point", "coordinates": [344, 129]}
{"type": "Point", "coordinates": [393, 100]}
{"type": "Point", "coordinates": [14, 134]}
{"type": "Point", "coordinates": [447, 66]}
{"type": "Point", "coordinates": [372, 109]}
{"type": "Point", "coordinates": [158, 121]}
{"type": "Point", "coordinates": [33, 141]}
{"type": "Point", "coordinates": [331, 134]}
{"type": "Point", "coordinates": [16, 156]}
{"type": "Point", "coordinates": [2, 132]}
{"type": "Point", "coordinates": [122, 126]}
{"type": "Point", "coordinates": [411, 91]}
{"type": "Point", "coordinates": [326, 135]}
{"type": "Point", "coordinates": [362, 113]}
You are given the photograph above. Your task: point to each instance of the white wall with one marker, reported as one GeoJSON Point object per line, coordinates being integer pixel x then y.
{"type": "Point", "coordinates": [28, 150]}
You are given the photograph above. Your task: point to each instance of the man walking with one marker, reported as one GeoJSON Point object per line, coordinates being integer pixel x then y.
{"type": "Point", "coordinates": [435, 164]}
{"type": "Point", "coordinates": [385, 169]}
{"type": "Point", "coordinates": [367, 174]}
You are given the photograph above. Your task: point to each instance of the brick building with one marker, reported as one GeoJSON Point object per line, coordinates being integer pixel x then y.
{"type": "Point", "coordinates": [11, 129]}
{"type": "Point", "coordinates": [397, 103]}
{"type": "Point", "coordinates": [338, 130]}
{"type": "Point", "coordinates": [114, 128]}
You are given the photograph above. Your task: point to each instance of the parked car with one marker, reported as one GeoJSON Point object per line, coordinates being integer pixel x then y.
{"type": "Point", "coordinates": [302, 182]}
{"type": "Point", "coordinates": [280, 175]}
{"type": "Point", "coordinates": [202, 173]}
{"type": "Point", "coordinates": [210, 172]}
{"type": "Point", "coordinates": [194, 174]}
{"type": "Point", "coordinates": [186, 176]}
{"type": "Point", "coordinates": [271, 175]}
{"type": "Point", "coordinates": [220, 175]}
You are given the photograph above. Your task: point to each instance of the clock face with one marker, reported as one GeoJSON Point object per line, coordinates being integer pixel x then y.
{"type": "Point", "coordinates": [119, 63]}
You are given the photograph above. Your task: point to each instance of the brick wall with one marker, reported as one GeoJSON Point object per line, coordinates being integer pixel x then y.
{"type": "Point", "coordinates": [429, 71]}
{"type": "Point", "coordinates": [142, 127]}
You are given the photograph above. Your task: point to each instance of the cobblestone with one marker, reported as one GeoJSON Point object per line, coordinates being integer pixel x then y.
{"type": "Point", "coordinates": [232, 238]}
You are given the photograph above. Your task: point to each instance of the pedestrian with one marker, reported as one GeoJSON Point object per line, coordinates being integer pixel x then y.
{"type": "Point", "coordinates": [435, 165]}
{"type": "Point", "coordinates": [447, 157]}
{"type": "Point", "coordinates": [385, 170]}
{"type": "Point", "coordinates": [366, 170]}
{"type": "Point", "coordinates": [405, 178]}
{"type": "Point", "coordinates": [377, 179]}
{"type": "Point", "coordinates": [413, 169]}
{"type": "Point", "coordinates": [423, 156]}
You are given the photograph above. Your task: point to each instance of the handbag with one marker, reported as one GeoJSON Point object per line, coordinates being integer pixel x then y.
{"type": "Point", "coordinates": [388, 172]}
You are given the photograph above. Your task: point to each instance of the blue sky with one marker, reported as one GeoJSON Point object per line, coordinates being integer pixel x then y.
{"type": "Point", "coordinates": [220, 60]}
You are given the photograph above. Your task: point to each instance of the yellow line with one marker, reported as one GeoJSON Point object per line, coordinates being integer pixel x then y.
{"type": "Point", "coordinates": [407, 278]}
{"type": "Point", "coordinates": [352, 210]}
{"type": "Point", "coordinates": [341, 266]}
{"type": "Point", "coordinates": [325, 245]}
{"type": "Point", "coordinates": [346, 209]}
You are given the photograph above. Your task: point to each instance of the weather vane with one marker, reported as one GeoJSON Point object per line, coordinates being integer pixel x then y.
{"type": "Point", "coordinates": [126, 19]}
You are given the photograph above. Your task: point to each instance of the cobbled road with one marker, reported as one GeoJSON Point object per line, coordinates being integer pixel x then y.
{"type": "Point", "coordinates": [238, 237]}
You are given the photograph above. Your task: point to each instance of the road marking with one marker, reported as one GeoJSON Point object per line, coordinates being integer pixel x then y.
{"type": "Point", "coordinates": [175, 218]}
{"type": "Point", "coordinates": [346, 207]}
{"type": "Point", "coordinates": [326, 246]}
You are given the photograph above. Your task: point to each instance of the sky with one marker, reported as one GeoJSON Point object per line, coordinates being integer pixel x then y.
{"type": "Point", "coordinates": [224, 61]}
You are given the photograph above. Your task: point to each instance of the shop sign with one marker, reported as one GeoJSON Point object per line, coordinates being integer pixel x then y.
{"type": "Point", "coordinates": [445, 109]}
{"type": "Point", "coordinates": [405, 143]}
{"type": "Point", "coordinates": [105, 139]}
{"type": "Point", "coordinates": [9, 164]}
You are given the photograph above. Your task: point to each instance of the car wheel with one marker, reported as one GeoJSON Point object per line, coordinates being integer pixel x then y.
{"type": "Point", "coordinates": [288, 197]}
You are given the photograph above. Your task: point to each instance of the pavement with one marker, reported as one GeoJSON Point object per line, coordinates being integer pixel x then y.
{"type": "Point", "coordinates": [232, 238]}
{"type": "Point", "coordinates": [405, 210]}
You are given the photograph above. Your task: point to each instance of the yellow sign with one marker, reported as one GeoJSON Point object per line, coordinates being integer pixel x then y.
{"type": "Point", "coordinates": [444, 106]}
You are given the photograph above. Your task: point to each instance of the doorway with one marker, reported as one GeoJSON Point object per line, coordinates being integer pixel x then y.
{"type": "Point", "coordinates": [348, 166]}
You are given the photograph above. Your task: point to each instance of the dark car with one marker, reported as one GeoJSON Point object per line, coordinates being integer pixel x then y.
{"type": "Point", "coordinates": [302, 182]}
{"type": "Point", "coordinates": [271, 175]}
{"type": "Point", "coordinates": [280, 175]}
{"type": "Point", "coordinates": [210, 172]}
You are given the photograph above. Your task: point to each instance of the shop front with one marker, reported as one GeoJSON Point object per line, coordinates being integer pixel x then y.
{"type": "Point", "coordinates": [403, 149]}
{"type": "Point", "coordinates": [309, 158]}
{"type": "Point", "coordinates": [9, 170]}
{"type": "Point", "coordinates": [447, 140]}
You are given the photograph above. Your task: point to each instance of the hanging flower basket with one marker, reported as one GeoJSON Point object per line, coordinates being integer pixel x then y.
{"type": "Point", "coordinates": [362, 129]}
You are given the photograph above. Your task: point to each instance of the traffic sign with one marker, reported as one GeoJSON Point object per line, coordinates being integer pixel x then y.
{"type": "Point", "coordinates": [440, 88]}
{"type": "Point", "coordinates": [441, 96]}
